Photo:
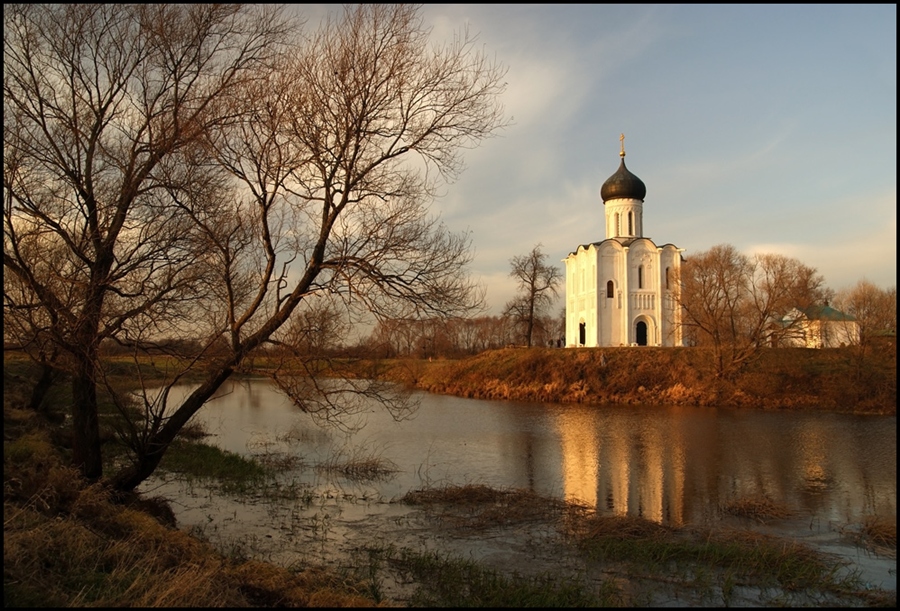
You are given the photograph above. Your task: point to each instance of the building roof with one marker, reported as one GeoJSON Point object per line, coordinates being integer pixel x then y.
{"type": "Point", "coordinates": [824, 312]}
{"type": "Point", "coordinates": [623, 184]}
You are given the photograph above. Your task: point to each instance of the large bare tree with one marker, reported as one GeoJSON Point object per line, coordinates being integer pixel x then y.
{"type": "Point", "coordinates": [99, 101]}
{"type": "Point", "coordinates": [538, 285]}
{"type": "Point", "coordinates": [734, 303]}
{"type": "Point", "coordinates": [251, 195]}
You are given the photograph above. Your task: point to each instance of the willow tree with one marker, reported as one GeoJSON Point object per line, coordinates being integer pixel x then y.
{"type": "Point", "coordinates": [302, 192]}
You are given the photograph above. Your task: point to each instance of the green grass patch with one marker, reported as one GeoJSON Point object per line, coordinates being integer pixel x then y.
{"type": "Point", "coordinates": [445, 581]}
{"type": "Point", "coordinates": [201, 461]}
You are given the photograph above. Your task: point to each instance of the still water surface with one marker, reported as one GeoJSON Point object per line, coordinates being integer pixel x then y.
{"type": "Point", "coordinates": [672, 464]}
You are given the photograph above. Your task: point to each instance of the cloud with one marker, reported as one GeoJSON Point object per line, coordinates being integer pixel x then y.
{"type": "Point", "coordinates": [852, 250]}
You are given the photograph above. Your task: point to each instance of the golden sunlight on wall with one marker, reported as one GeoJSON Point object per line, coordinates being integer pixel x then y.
{"type": "Point", "coordinates": [580, 455]}
{"type": "Point", "coordinates": [613, 467]}
{"type": "Point", "coordinates": [618, 471]}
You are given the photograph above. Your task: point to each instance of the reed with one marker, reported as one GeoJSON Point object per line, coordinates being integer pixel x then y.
{"type": "Point", "coordinates": [760, 509]}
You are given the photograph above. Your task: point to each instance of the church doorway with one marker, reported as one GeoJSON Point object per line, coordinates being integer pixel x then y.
{"type": "Point", "coordinates": [640, 331]}
{"type": "Point", "coordinates": [581, 334]}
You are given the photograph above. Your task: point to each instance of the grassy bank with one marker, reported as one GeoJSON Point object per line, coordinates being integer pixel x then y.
{"type": "Point", "coordinates": [784, 378]}
{"type": "Point", "coordinates": [65, 544]}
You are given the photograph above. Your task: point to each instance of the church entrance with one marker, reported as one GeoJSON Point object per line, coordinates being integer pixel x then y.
{"type": "Point", "coordinates": [640, 332]}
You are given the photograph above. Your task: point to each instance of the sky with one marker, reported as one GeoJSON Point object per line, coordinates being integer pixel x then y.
{"type": "Point", "coordinates": [771, 128]}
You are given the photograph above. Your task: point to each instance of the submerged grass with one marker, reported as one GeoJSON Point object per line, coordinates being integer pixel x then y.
{"type": "Point", "coordinates": [234, 474]}
{"type": "Point", "coordinates": [66, 544]}
{"type": "Point", "coordinates": [753, 558]}
{"type": "Point", "coordinates": [707, 563]}
{"type": "Point", "coordinates": [201, 461]}
{"type": "Point", "coordinates": [475, 506]}
{"type": "Point", "coordinates": [359, 465]}
{"type": "Point", "coordinates": [445, 581]}
{"type": "Point", "coordinates": [761, 509]}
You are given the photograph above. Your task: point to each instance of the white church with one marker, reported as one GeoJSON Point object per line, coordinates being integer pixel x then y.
{"type": "Point", "coordinates": [622, 290]}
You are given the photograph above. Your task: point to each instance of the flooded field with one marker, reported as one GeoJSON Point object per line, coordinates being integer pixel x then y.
{"type": "Point", "coordinates": [677, 467]}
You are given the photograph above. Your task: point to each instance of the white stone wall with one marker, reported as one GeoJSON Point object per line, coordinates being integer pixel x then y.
{"type": "Point", "coordinates": [639, 294]}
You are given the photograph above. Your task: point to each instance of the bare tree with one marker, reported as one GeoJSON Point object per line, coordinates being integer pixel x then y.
{"type": "Point", "coordinates": [335, 165]}
{"type": "Point", "coordinates": [28, 328]}
{"type": "Point", "coordinates": [97, 100]}
{"type": "Point", "coordinates": [734, 303]}
{"type": "Point", "coordinates": [538, 285]}
{"type": "Point", "coordinates": [874, 308]}
{"type": "Point", "coordinates": [205, 185]}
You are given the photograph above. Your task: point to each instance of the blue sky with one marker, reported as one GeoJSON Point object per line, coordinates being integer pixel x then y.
{"type": "Point", "coordinates": [772, 128]}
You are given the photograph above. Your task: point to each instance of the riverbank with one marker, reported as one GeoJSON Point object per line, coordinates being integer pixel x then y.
{"type": "Point", "coordinates": [839, 380]}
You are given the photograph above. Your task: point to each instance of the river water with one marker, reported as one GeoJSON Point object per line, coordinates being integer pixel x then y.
{"type": "Point", "coordinates": [675, 465]}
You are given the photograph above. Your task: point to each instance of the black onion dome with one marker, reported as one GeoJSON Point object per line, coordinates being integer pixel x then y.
{"type": "Point", "coordinates": [623, 184]}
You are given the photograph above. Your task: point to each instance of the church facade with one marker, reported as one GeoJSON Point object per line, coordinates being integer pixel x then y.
{"type": "Point", "coordinates": [623, 290]}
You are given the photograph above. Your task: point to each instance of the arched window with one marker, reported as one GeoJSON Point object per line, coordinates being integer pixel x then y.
{"type": "Point", "coordinates": [640, 276]}
{"type": "Point", "coordinates": [609, 290]}
{"type": "Point", "coordinates": [616, 228]}
{"type": "Point", "coordinates": [668, 276]}
{"type": "Point", "coordinates": [630, 223]}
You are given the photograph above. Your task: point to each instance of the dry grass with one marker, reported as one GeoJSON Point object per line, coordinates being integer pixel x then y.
{"type": "Point", "coordinates": [66, 544]}
{"type": "Point", "coordinates": [479, 507]}
{"type": "Point", "coordinates": [782, 378]}
{"type": "Point", "coordinates": [880, 531]}
{"type": "Point", "coordinates": [126, 558]}
{"type": "Point", "coordinates": [360, 465]}
{"type": "Point", "coordinates": [761, 509]}
{"type": "Point", "coordinates": [592, 527]}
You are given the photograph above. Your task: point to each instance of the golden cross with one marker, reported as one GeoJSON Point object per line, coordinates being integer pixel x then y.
{"type": "Point", "coordinates": [622, 140]}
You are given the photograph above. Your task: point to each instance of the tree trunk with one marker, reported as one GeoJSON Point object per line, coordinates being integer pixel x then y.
{"type": "Point", "coordinates": [41, 388]}
{"type": "Point", "coordinates": [86, 454]}
{"type": "Point", "coordinates": [148, 460]}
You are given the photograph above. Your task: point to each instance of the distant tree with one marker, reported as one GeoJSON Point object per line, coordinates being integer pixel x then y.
{"type": "Point", "coordinates": [538, 285]}
{"type": "Point", "coordinates": [874, 308]}
{"type": "Point", "coordinates": [734, 303]}
{"type": "Point", "coordinates": [206, 176]}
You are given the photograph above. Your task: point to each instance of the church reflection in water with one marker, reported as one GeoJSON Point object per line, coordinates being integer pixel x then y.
{"type": "Point", "coordinates": [674, 465]}
{"type": "Point", "coordinates": [677, 465]}
{"type": "Point", "coordinates": [623, 470]}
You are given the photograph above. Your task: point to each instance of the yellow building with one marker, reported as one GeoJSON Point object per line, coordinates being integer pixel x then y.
{"type": "Point", "coordinates": [820, 326]}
